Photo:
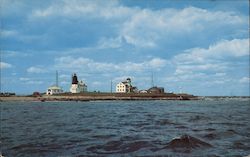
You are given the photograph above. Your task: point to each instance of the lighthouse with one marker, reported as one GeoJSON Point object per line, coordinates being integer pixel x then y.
{"type": "Point", "coordinates": [77, 86]}
{"type": "Point", "coordinates": [74, 79]}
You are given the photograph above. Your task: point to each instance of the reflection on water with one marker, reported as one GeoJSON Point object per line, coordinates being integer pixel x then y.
{"type": "Point", "coordinates": [126, 128]}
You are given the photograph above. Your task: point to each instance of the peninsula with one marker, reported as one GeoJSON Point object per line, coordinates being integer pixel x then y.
{"type": "Point", "coordinates": [93, 96]}
{"type": "Point", "coordinates": [78, 92]}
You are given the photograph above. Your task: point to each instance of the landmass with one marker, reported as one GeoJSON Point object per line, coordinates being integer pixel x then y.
{"type": "Point", "coordinates": [99, 96]}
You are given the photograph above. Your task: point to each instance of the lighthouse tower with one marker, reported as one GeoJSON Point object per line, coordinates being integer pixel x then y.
{"type": "Point", "coordinates": [74, 79]}
{"type": "Point", "coordinates": [77, 87]}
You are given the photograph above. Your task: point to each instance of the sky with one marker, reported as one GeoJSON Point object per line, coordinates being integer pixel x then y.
{"type": "Point", "coordinates": [199, 47]}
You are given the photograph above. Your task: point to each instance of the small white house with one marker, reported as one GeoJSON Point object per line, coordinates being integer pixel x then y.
{"type": "Point", "coordinates": [54, 90]}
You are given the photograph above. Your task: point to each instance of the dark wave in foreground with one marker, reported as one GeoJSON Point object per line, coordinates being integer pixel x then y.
{"type": "Point", "coordinates": [184, 144]}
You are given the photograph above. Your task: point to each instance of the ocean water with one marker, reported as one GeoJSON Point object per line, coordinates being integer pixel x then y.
{"type": "Point", "coordinates": [125, 128]}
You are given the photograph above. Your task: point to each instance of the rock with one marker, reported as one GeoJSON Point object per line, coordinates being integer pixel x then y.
{"type": "Point", "coordinates": [186, 142]}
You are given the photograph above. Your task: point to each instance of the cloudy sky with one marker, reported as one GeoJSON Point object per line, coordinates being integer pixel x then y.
{"type": "Point", "coordinates": [198, 47]}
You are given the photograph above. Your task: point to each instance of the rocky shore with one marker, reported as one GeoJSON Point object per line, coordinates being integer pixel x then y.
{"type": "Point", "coordinates": [101, 96]}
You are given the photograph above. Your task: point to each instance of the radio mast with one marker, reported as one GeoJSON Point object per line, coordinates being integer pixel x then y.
{"type": "Point", "coordinates": [111, 84]}
{"type": "Point", "coordinates": [152, 79]}
{"type": "Point", "coordinates": [57, 78]}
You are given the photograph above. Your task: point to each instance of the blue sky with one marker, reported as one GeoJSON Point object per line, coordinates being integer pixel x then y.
{"type": "Point", "coordinates": [198, 47]}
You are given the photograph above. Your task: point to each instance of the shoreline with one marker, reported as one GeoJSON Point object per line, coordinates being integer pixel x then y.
{"type": "Point", "coordinates": [110, 97]}
{"type": "Point", "coordinates": [100, 96]}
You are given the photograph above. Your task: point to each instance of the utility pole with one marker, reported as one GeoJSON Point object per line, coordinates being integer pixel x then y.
{"type": "Point", "coordinates": [56, 78]}
{"type": "Point", "coordinates": [180, 89]}
{"type": "Point", "coordinates": [152, 79]}
{"type": "Point", "coordinates": [111, 85]}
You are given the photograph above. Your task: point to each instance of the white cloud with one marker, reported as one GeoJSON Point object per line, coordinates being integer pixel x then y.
{"type": "Point", "coordinates": [78, 8]}
{"type": "Point", "coordinates": [187, 68]}
{"type": "Point", "coordinates": [12, 54]}
{"type": "Point", "coordinates": [212, 66]}
{"type": "Point", "coordinates": [30, 81]}
{"type": "Point", "coordinates": [187, 77]}
{"type": "Point", "coordinates": [157, 63]}
{"type": "Point", "coordinates": [4, 65]}
{"type": "Point", "coordinates": [14, 34]}
{"type": "Point", "coordinates": [63, 76]}
{"type": "Point", "coordinates": [34, 82]}
{"type": "Point", "coordinates": [147, 28]}
{"type": "Point", "coordinates": [220, 74]}
{"type": "Point", "coordinates": [8, 33]}
{"type": "Point", "coordinates": [36, 70]}
{"type": "Point", "coordinates": [111, 42]}
{"type": "Point", "coordinates": [142, 29]}
{"type": "Point", "coordinates": [212, 59]}
{"type": "Point", "coordinates": [90, 65]}
{"type": "Point", "coordinates": [24, 79]}
{"type": "Point", "coordinates": [235, 48]}
{"type": "Point", "coordinates": [245, 80]}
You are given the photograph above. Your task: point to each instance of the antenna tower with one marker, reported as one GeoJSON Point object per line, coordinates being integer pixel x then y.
{"type": "Point", "coordinates": [111, 84]}
{"type": "Point", "coordinates": [57, 78]}
{"type": "Point", "coordinates": [152, 79]}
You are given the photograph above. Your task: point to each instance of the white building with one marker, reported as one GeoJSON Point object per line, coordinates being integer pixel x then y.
{"type": "Point", "coordinates": [54, 90]}
{"type": "Point", "coordinates": [82, 86]}
{"type": "Point", "coordinates": [124, 87]}
{"type": "Point", "coordinates": [120, 88]}
{"type": "Point", "coordinates": [77, 87]}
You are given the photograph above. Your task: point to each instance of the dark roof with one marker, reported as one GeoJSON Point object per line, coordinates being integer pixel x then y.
{"type": "Point", "coordinates": [156, 90]}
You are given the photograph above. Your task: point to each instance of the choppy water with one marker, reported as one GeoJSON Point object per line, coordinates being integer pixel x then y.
{"type": "Point", "coordinates": [124, 128]}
